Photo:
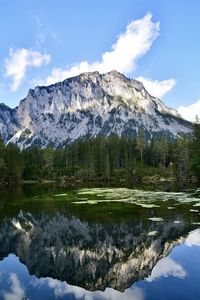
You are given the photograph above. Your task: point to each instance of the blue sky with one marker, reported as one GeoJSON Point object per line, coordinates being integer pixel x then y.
{"type": "Point", "coordinates": [41, 42]}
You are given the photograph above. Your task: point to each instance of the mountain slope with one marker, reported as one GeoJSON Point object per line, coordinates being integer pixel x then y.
{"type": "Point", "coordinates": [85, 106]}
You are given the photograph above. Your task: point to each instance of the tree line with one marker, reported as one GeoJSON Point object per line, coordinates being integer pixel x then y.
{"type": "Point", "coordinates": [105, 158]}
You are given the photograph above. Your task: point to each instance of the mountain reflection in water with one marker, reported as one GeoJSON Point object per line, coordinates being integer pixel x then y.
{"type": "Point", "coordinates": [83, 259]}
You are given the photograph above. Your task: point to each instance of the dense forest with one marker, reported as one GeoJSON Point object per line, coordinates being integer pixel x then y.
{"type": "Point", "coordinates": [105, 158]}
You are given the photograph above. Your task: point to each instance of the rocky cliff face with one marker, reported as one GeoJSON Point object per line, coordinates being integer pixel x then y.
{"type": "Point", "coordinates": [85, 106]}
{"type": "Point", "coordinates": [91, 255]}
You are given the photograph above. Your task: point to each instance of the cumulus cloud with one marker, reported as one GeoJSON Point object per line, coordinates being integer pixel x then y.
{"type": "Point", "coordinates": [190, 112]}
{"type": "Point", "coordinates": [129, 47]}
{"type": "Point", "coordinates": [16, 291]}
{"type": "Point", "coordinates": [167, 267]}
{"type": "Point", "coordinates": [193, 238]}
{"type": "Point", "coordinates": [19, 61]}
{"type": "Point", "coordinates": [157, 88]}
{"type": "Point", "coordinates": [62, 289]}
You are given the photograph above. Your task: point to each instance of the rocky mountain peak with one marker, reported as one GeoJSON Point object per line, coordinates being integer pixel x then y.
{"type": "Point", "coordinates": [88, 105]}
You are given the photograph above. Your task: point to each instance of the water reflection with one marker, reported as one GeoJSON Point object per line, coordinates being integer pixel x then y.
{"type": "Point", "coordinates": [16, 290]}
{"type": "Point", "coordinates": [167, 267]}
{"type": "Point", "coordinates": [91, 255]}
{"type": "Point", "coordinates": [193, 238]}
{"type": "Point", "coordinates": [16, 286]}
{"type": "Point", "coordinates": [17, 283]}
{"type": "Point", "coordinates": [100, 244]}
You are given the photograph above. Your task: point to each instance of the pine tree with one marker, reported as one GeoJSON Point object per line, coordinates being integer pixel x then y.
{"type": "Point", "coordinates": [3, 168]}
{"type": "Point", "coordinates": [140, 144]}
{"type": "Point", "coordinates": [195, 150]}
{"type": "Point", "coordinates": [48, 161]}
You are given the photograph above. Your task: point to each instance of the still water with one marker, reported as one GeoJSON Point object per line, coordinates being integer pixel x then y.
{"type": "Point", "coordinates": [99, 243]}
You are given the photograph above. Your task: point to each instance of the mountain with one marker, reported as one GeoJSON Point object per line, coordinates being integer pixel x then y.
{"type": "Point", "coordinates": [85, 106]}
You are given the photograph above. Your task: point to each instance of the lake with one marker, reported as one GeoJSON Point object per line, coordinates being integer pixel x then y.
{"type": "Point", "coordinates": [99, 243]}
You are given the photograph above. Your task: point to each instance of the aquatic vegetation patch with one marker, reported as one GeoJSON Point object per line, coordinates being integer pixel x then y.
{"type": "Point", "coordinates": [152, 233]}
{"type": "Point", "coordinates": [85, 202]}
{"type": "Point", "coordinates": [145, 199]}
{"type": "Point", "coordinates": [156, 219]}
{"type": "Point", "coordinates": [147, 205]}
{"type": "Point", "coordinates": [87, 192]}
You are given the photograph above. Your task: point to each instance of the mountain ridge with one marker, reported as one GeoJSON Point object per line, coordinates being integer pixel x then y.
{"type": "Point", "coordinates": [85, 106]}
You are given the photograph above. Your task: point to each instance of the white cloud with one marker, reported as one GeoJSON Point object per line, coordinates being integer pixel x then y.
{"type": "Point", "coordinates": [19, 61]}
{"type": "Point", "coordinates": [129, 47]}
{"type": "Point", "coordinates": [193, 238]}
{"type": "Point", "coordinates": [16, 291]}
{"type": "Point", "coordinates": [166, 267]}
{"type": "Point", "coordinates": [157, 88]}
{"type": "Point", "coordinates": [190, 112]}
{"type": "Point", "coordinates": [62, 289]}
